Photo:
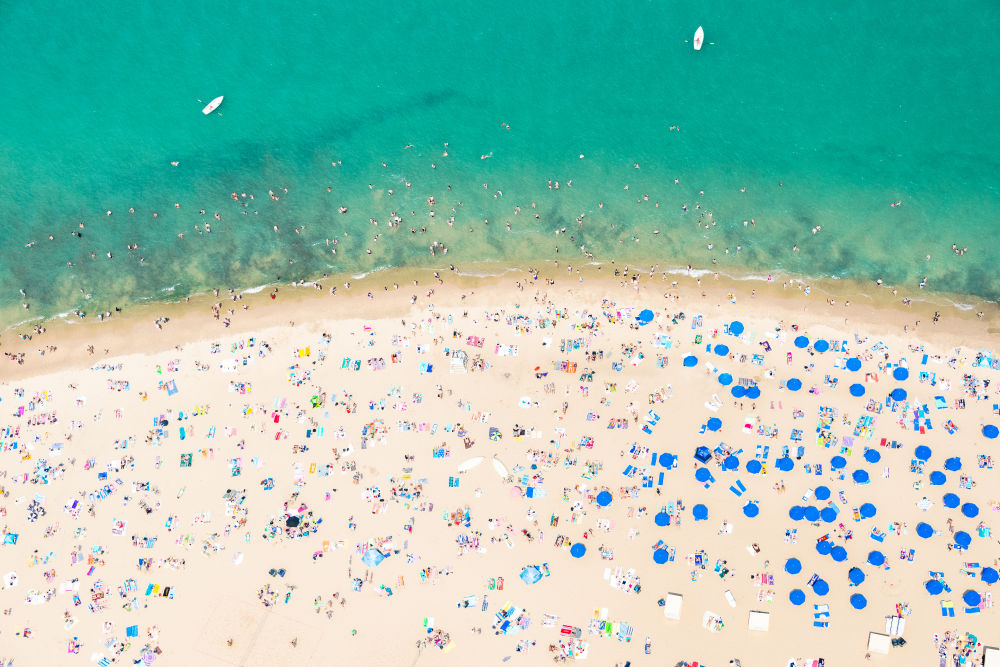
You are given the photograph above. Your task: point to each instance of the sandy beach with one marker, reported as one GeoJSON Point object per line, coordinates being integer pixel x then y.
{"type": "Point", "coordinates": [375, 478]}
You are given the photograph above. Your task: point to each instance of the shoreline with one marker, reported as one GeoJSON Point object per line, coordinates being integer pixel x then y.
{"type": "Point", "coordinates": [844, 288]}
{"type": "Point", "coordinates": [191, 320]}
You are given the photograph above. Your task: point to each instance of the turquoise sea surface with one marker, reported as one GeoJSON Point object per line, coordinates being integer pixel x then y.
{"type": "Point", "coordinates": [825, 115]}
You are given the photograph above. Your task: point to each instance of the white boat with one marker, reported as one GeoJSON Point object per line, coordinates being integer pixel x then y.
{"type": "Point", "coordinates": [500, 468]}
{"type": "Point", "coordinates": [214, 104]}
{"type": "Point", "coordinates": [465, 466]}
{"type": "Point", "coordinates": [699, 39]}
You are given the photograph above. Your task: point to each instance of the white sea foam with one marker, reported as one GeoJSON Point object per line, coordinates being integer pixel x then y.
{"type": "Point", "coordinates": [364, 274]}
{"type": "Point", "coordinates": [472, 274]}
{"type": "Point", "coordinates": [254, 290]}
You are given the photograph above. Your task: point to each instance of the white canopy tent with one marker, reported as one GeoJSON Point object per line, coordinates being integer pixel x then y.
{"type": "Point", "coordinates": [879, 643]}
{"type": "Point", "coordinates": [759, 621]}
{"type": "Point", "coordinates": [672, 609]}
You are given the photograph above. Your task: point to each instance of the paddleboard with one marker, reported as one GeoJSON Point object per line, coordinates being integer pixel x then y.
{"type": "Point", "coordinates": [699, 39]}
{"type": "Point", "coordinates": [214, 104]}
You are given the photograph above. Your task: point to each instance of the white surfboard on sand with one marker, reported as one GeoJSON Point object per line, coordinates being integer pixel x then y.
{"type": "Point", "coordinates": [465, 466]}
{"type": "Point", "coordinates": [699, 38]}
{"type": "Point", "coordinates": [500, 468]}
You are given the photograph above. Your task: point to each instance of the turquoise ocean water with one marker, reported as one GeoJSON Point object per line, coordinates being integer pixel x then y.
{"type": "Point", "coordinates": [849, 108]}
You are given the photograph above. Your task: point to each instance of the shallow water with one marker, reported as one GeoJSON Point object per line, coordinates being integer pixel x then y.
{"type": "Point", "coordinates": [849, 109]}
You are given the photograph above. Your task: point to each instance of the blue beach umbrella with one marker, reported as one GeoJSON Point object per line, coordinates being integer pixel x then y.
{"type": "Point", "coordinates": [860, 476]}
{"type": "Point", "coordinates": [721, 350]}
{"type": "Point", "coordinates": [838, 462]}
{"type": "Point", "coordinates": [667, 460]}
{"type": "Point", "coordinates": [876, 558]}
{"type": "Point", "coordinates": [972, 598]}
{"type": "Point", "coordinates": [794, 384]}
{"type": "Point", "coordinates": [838, 553]}
{"type": "Point", "coordinates": [953, 464]}
{"type": "Point", "coordinates": [801, 342]}
{"type": "Point", "coordinates": [578, 550]}
{"type": "Point", "coordinates": [372, 557]}
{"type": "Point", "coordinates": [793, 566]}
{"type": "Point", "coordinates": [700, 512]}
{"type": "Point", "coordinates": [784, 464]}
{"type": "Point", "coordinates": [867, 511]}
{"type": "Point", "coordinates": [646, 316]}
{"type": "Point", "coordinates": [857, 390]}
{"type": "Point", "coordinates": [703, 454]}
{"type": "Point", "coordinates": [855, 575]}
{"type": "Point", "coordinates": [828, 514]}
{"type": "Point", "coordinates": [951, 500]}
{"type": "Point", "coordinates": [753, 392]}
{"type": "Point", "coordinates": [970, 510]}
{"type": "Point", "coordinates": [751, 510]}
{"type": "Point", "coordinates": [702, 474]}
{"type": "Point", "coordinates": [923, 452]}
{"type": "Point", "coordinates": [858, 601]}
{"type": "Point", "coordinates": [938, 478]}
{"type": "Point", "coordinates": [990, 431]}
{"type": "Point", "coordinates": [924, 530]}
{"type": "Point", "coordinates": [796, 513]}
{"type": "Point", "coordinates": [714, 424]}
{"type": "Point", "coordinates": [821, 588]}
{"type": "Point", "coordinates": [604, 498]}
{"type": "Point", "coordinates": [872, 456]}
{"type": "Point", "coordinates": [662, 519]}
{"type": "Point", "coordinates": [690, 360]}
{"type": "Point", "coordinates": [854, 364]}
{"type": "Point", "coordinates": [725, 379]}
{"type": "Point", "coordinates": [796, 597]}
{"type": "Point", "coordinates": [660, 556]}
{"type": "Point", "coordinates": [731, 463]}
{"type": "Point", "coordinates": [898, 394]}
{"type": "Point", "coordinates": [735, 327]}
{"type": "Point", "coordinates": [900, 373]}
{"type": "Point", "coordinates": [738, 391]}
{"type": "Point", "coordinates": [812, 513]}
{"type": "Point", "coordinates": [989, 575]}
{"type": "Point", "coordinates": [821, 346]}
{"type": "Point", "coordinates": [822, 492]}
{"type": "Point", "coordinates": [531, 575]}
{"type": "Point", "coordinates": [753, 466]}
{"type": "Point", "coordinates": [934, 587]}
{"type": "Point", "coordinates": [824, 548]}
{"type": "Point", "coordinates": [963, 539]}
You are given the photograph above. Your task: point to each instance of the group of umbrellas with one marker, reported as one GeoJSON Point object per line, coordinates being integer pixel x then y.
{"type": "Point", "coordinates": [821, 588]}
{"type": "Point", "coordinates": [827, 514]}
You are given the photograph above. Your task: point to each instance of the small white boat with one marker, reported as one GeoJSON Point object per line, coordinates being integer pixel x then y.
{"type": "Point", "coordinates": [699, 39]}
{"type": "Point", "coordinates": [214, 104]}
